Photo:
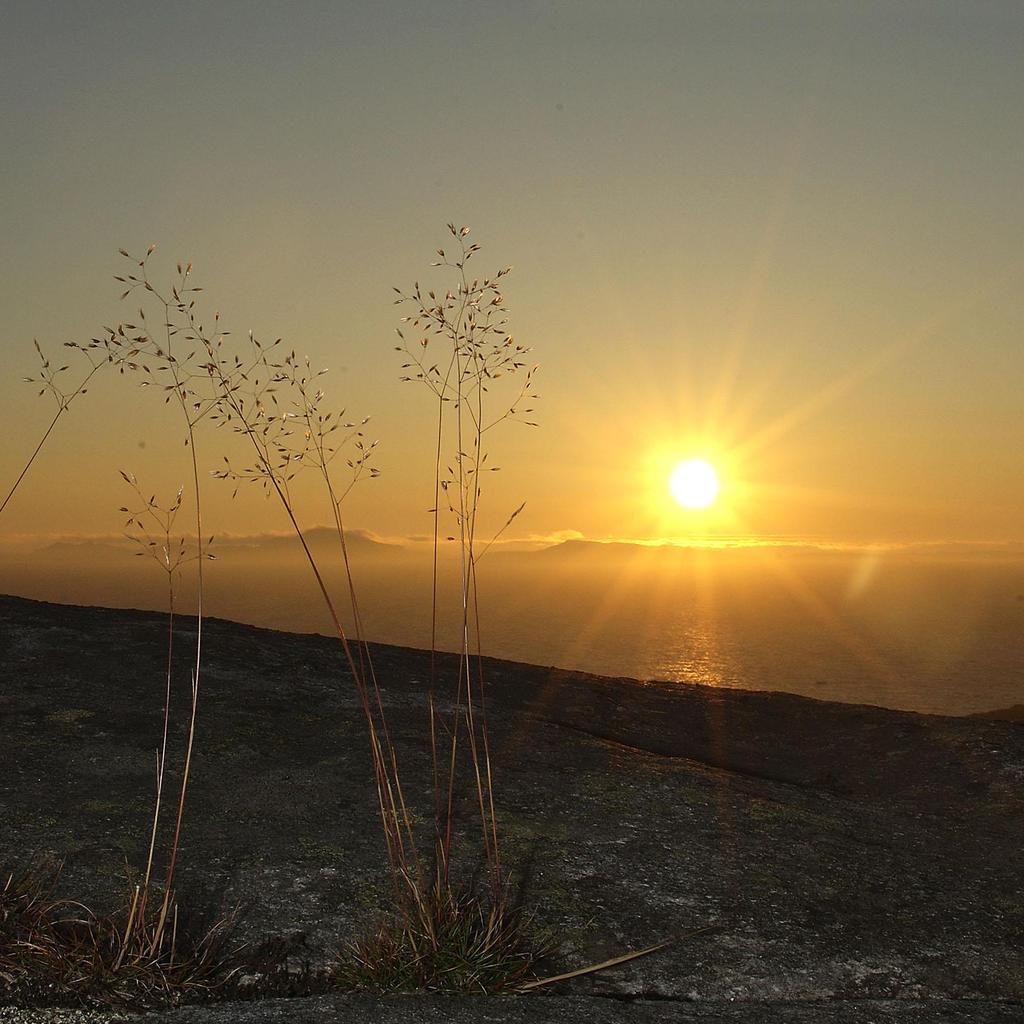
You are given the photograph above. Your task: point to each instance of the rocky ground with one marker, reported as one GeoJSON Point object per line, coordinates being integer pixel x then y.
{"type": "Point", "coordinates": [856, 864]}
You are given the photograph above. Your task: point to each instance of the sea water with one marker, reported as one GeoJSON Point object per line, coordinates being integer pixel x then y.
{"type": "Point", "coordinates": [940, 635]}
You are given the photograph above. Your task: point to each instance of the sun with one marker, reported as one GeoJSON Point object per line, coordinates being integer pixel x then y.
{"type": "Point", "coordinates": [694, 483]}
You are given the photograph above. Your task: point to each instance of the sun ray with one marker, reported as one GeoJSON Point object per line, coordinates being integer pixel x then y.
{"type": "Point", "coordinates": [870, 366]}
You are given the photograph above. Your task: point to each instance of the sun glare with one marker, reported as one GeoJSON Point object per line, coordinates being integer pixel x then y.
{"type": "Point", "coordinates": [694, 483]}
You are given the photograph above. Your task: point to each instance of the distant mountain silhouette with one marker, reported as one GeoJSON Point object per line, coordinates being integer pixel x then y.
{"type": "Point", "coordinates": [578, 547]}
{"type": "Point", "coordinates": [359, 542]}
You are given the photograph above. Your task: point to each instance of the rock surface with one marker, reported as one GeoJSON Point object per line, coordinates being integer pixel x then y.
{"type": "Point", "coordinates": [856, 864]}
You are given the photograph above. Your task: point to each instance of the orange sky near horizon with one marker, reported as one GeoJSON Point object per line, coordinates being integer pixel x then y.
{"type": "Point", "coordinates": [781, 237]}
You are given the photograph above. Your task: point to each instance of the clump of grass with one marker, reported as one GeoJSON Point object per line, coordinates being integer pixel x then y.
{"type": "Point", "coordinates": [469, 323]}
{"type": "Point", "coordinates": [59, 952]}
{"type": "Point", "coordinates": [138, 955]}
{"type": "Point", "coordinates": [446, 942]}
{"type": "Point", "coordinates": [439, 937]}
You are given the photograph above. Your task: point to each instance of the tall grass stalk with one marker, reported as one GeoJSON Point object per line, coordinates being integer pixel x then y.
{"type": "Point", "coordinates": [251, 406]}
{"type": "Point", "coordinates": [96, 354]}
{"type": "Point", "coordinates": [152, 530]}
{"type": "Point", "coordinates": [143, 351]}
{"type": "Point", "coordinates": [261, 397]}
{"type": "Point", "coordinates": [452, 939]}
{"type": "Point", "coordinates": [135, 956]}
{"type": "Point", "coordinates": [471, 325]}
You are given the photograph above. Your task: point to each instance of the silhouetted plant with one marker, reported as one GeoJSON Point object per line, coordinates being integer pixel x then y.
{"type": "Point", "coordinates": [275, 407]}
{"type": "Point", "coordinates": [168, 362]}
{"type": "Point", "coordinates": [152, 529]}
{"type": "Point", "coordinates": [444, 938]}
{"type": "Point", "coordinates": [470, 325]}
{"type": "Point", "coordinates": [96, 354]}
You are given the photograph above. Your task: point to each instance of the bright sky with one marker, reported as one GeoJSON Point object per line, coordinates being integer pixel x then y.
{"type": "Point", "coordinates": [785, 237]}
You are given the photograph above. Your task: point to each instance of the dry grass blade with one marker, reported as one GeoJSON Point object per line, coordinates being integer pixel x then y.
{"type": "Point", "coordinates": [615, 961]}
